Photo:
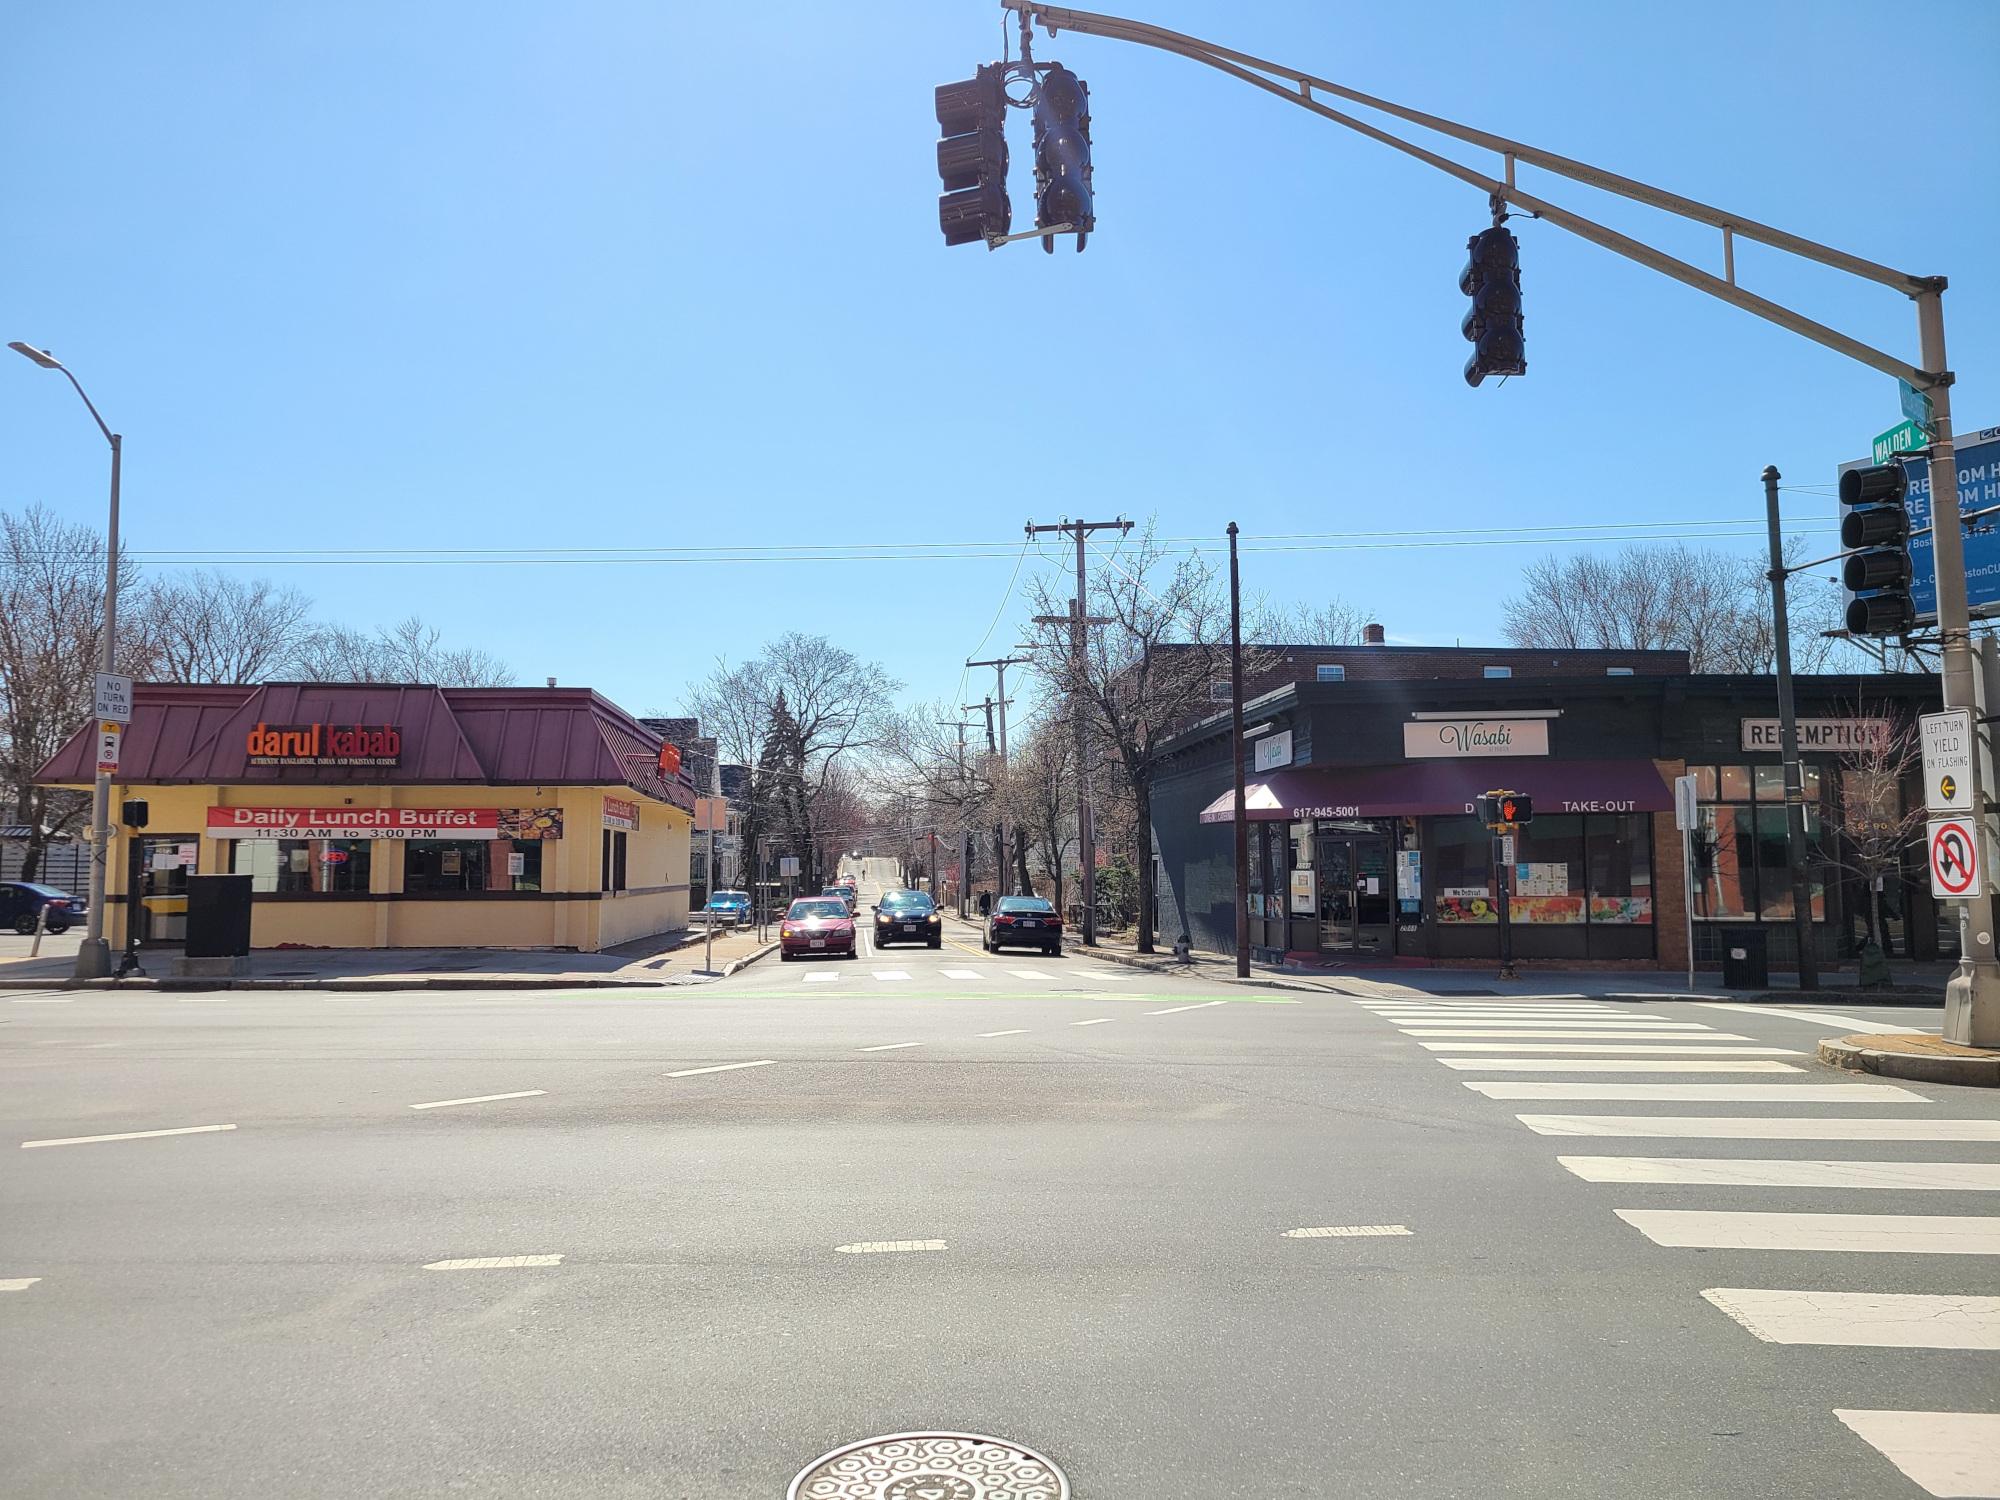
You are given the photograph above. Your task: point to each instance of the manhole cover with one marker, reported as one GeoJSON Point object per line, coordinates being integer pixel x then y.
{"type": "Point", "coordinates": [930, 1466]}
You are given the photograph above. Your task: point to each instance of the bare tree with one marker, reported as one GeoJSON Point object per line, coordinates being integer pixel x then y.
{"type": "Point", "coordinates": [1714, 605]}
{"type": "Point", "coordinates": [51, 627]}
{"type": "Point", "coordinates": [1334, 623]}
{"type": "Point", "coordinates": [208, 627]}
{"type": "Point", "coordinates": [409, 651]}
{"type": "Point", "coordinates": [1038, 795]}
{"type": "Point", "coordinates": [1145, 672]}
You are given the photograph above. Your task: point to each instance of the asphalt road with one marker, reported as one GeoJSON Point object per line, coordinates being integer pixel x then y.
{"type": "Point", "coordinates": [1104, 1168]}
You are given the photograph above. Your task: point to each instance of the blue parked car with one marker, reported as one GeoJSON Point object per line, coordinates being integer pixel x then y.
{"type": "Point", "coordinates": [727, 907]}
{"type": "Point", "coordinates": [21, 903]}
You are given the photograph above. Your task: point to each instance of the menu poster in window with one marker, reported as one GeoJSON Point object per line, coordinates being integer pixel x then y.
{"type": "Point", "coordinates": [1542, 879]}
{"type": "Point", "coordinates": [300, 858]}
{"type": "Point", "coordinates": [187, 854]}
{"type": "Point", "coordinates": [517, 864]}
{"type": "Point", "coordinates": [449, 861]}
{"type": "Point", "coordinates": [1305, 893]}
{"type": "Point", "coordinates": [1409, 874]}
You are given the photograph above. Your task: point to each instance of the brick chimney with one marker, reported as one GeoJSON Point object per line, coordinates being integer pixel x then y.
{"type": "Point", "coordinates": [1371, 635]}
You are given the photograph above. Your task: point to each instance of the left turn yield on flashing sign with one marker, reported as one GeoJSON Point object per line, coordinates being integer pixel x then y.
{"type": "Point", "coordinates": [1957, 872]}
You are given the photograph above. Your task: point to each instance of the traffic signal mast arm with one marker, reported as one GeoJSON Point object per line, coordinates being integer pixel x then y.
{"type": "Point", "coordinates": [1299, 88]}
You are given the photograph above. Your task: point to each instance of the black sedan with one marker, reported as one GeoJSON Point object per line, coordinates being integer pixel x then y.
{"type": "Point", "coordinates": [1022, 922]}
{"type": "Point", "coordinates": [907, 917]}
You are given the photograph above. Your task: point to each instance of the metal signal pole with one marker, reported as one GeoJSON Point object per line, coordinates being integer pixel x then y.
{"type": "Point", "coordinates": [1236, 763]}
{"type": "Point", "coordinates": [1079, 660]}
{"type": "Point", "coordinates": [1788, 744]}
{"type": "Point", "coordinates": [1000, 666]}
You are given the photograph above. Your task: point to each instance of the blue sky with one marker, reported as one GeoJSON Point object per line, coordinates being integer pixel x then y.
{"type": "Point", "coordinates": [629, 275]}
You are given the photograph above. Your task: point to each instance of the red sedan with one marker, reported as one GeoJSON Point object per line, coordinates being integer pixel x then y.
{"type": "Point", "coordinates": [819, 925]}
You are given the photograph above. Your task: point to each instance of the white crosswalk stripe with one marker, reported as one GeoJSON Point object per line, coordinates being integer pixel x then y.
{"type": "Point", "coordinates": [1734, 1171]}
{"type": "Point", "coordinates": [1621, 1048]}
{"type": "Point", "coordinates": [821, 978]}
{"type": "Point", "coordinates": [961, 974]}
{"type": "Point", "coordinates": [1875, 1234]}
{"type": "Point", "coordinates": [1880, 1320]}
{"type": "Point", "coordinates": [1708, 1093]}
{"type": "Point", "coordinates": [1029, 973]}
{"type": "Point", "coordinates": [1610, 1065]}
{"type": "Point", "coordinates": [1941, 1452]}
{"type": "Point", "coordinates": [1601, 1033]}
{"type": "Point", "coordinates": [888, 975]}
{"type": "Point", "coordinates": [1764, 1127]}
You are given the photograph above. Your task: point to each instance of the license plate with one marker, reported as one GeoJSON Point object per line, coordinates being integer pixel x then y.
{"type": "Point", "coordinates": [909, 927]}
{"type": "Point", "coordinates": [819, 942]}
{"type": "Point", "coordinates": [1030, 922]}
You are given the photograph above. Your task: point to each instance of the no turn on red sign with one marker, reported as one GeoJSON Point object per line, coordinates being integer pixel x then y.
{"type": "Point", "coordinates": [1957, 865]}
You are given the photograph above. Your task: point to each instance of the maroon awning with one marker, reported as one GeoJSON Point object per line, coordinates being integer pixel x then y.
{"type": "Point", "coordinates": [1434, 788]}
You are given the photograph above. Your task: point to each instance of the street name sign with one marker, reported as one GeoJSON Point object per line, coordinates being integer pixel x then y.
{"type": "Point", "coordinates": [113, 698]}
{"type": "Point", "coordinates": [1898, 439]}
{"type": "Point", "coordinates": [1948, 747]}
{"type": "Point", "coordinates": [1918, 407]}
{"type": "Point", "coordinates": [1957, 869]}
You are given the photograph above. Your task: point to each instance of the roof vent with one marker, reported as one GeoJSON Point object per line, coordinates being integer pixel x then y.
{"type": "Point", "coordinates": [1371, 635]}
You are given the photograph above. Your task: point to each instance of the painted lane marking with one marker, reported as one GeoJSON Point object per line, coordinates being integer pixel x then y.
{"type": "Point", "coordinates": [1827, 1018]}
{"type": "Point", "coordinates": [17, 1283]}
{"type": "Point", "coordinates": [1879, 1320]}
{"type": "Point", "coordinates": [886, 976]}
{"type": "Point", "coordinates": [1095, 1021]}
{"type": "Point", "coordinates": [1762, 1128]}
{"type": "Point", "coordinates": [1734, 1093]}
{"type": "Point", "coordinates": [1941, 1452]}
{"type": "Point", "coordinates": [1888, 1234]}
{"type": "Point", "coordinates": [480, 1099]}
{"type": "Point", "coordinates": [1610, 1065]}
{"type": "Point", "coordinates": [202, 999]}
{"type": "Point", "coordinates": [961, 974]}
{"type": "Point", "coordinates": [889, 1047]}
{"type": "Point", "coordinates": [888, 1247]}
{"type": "Point", "coordinates": [763, 1062]}
{"type": "Point", "coordinates": [821, 978]}
{"type": "Point", "coordinates": [1029, 973]}
{"type": "Point", "coordinates": [1594, 1033]}
{"type": "Point", "coordinates": [1174, 1010]}
{"type": "Point", "coordinates": [1346, 1231]}
{"type": "Point", "coordinates": [1018, 1031]}
{"type": "Point", "coordinates": [494, 1263]}
{"type": "Point", "coordinates": [1623, 1048]}
{"type": "Point", "coordinates": [1582, 1023]}
{"type": "Point", "coordinates": [1731, 1171]}
{"type": "Point", "coordinates": [1523, 1018]}
{"type": "Point", "coordinates": [124, 1135]}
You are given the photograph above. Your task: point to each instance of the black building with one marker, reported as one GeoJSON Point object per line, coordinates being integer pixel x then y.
{"type": "Point", "coordinates": [1364, 843]}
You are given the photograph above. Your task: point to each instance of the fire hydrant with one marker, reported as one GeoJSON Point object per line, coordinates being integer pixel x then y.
{"type": "Point", "coordinates": [1183, 949]}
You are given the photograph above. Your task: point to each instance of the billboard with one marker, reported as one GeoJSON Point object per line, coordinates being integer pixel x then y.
{"type": "Point", "coordinates": [1977, 453]}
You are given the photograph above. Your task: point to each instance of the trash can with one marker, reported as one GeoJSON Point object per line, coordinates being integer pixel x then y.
{"type": "Point", "coordinates": [218, 916]}
{"type": "Point", "coordinates": [1746, 963]}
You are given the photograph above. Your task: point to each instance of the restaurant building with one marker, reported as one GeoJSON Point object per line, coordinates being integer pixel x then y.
{"type": "Point", "coordinates": [393, 816]}
{"type": "Point", "coordinates": [1364, 845]}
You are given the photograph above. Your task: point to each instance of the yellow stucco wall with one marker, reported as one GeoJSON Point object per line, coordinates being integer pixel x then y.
{"type": "Point", "coordinates": [571, 863]}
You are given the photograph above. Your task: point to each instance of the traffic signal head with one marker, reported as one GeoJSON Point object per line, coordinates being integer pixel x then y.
{"type": "Point", "coordinates": [1062, 155]}
{"type": "Point", "coordinates": [972, 158]}
{"type": "Point", "coordinates": [1875, 526]}
{"type": "Point", "coordinates": [1492, 279]}
{"type": "Point", "coordinates": [1506, 809]}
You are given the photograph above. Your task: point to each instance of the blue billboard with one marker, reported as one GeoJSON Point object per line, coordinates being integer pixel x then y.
{"type": "Point", "coordinates": [1978, 458]}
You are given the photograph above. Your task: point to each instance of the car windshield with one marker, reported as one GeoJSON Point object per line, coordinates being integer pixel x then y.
{"type": "Point", "coordinates": [1024, 903]}
{"type": "Point", "coordinates": [816, 908]}
{"type": "Point", "coordinates": [906, 901]}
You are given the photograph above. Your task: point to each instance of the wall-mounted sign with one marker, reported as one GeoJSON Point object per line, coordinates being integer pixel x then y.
{"type": "Point", "coordinates": [1274, 750]}
{"type": "Point", "coordinates": [619, 813]}
{"type": "Point", "coordinates": [1454, 739]}
{"type": "Point", "coordinates": [324, 745]}
{"type": "Point", "coordinates": [1823, 735]}
{"type": "Point", "coordinates": [530, 823]}
{"type": "Point", "coordinates": [378, 822]}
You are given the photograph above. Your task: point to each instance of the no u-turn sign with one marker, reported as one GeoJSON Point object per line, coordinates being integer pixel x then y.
{"type": "Point", "coordinates": [1957, 867]}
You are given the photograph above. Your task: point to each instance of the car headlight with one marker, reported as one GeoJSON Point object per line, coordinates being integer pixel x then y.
{"type": "Point", "coordinates": [934, 916]}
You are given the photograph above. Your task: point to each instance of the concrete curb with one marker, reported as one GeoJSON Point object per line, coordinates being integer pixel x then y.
{"type": "Point", "coordinates": [743, 963]}
{"type": "Point", "coordinates": [1190, 971]}
{"type": "Point", "coordinates": [1854, 1054]}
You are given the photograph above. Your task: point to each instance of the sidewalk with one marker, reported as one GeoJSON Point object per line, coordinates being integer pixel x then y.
{"type": "Point", "coordinates": [668, 959]}
{"type": "Point", "coordinates": [1914, 984]}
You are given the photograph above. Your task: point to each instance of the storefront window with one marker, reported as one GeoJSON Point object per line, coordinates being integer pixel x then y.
{"type": "Point", "coordinates": [1618, 855]}
{"type": "Point", "coordinates": [1732, 783]}
{"type": "Point", "coordinates": [472, 867]}
{"type": "Point", "coordinates": [1774, 870]}
{"type": "Point", "coordinates": [1547, 878]}
{"type": "Point", "coordinates": [1725, 865]}
{"type": "Point", "coordinates": [518, 866]}
{"type": "Point", "coordinates": [1742, 864]}
{"type": "Point", "coordinates": [302, 866]}
{"type": "Point", "coordinates": [1461, 860]}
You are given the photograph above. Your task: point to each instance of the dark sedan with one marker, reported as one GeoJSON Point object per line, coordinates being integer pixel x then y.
{"type": "Point", "coordinates": [22, 903]}
{"type": "Point", "coordinates": [907, 917]}
{"type": "Point", "coordinates": [1022, 922]}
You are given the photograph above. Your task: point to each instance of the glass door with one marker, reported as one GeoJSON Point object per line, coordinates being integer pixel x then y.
{"type": "Point", "coordinates": [1357, 892]}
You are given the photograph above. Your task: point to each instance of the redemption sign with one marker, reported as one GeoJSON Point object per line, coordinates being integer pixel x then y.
{"type": "Point", "coordinates": [324, 745]}
{"type": "Point", "coordinates": [1819, 734]}
{"type": "Point", "coordinates": [374, 822]}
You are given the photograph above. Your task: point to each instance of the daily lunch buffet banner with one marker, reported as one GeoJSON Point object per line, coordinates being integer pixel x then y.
{"type": "Point", "coordinates": [385, 822]}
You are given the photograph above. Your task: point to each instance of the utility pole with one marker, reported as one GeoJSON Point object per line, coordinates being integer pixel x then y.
{"type": "Point", "coordinates": [1788, 744]}
{"type": "Point", "coordinates": [1080, 622]}
{"type": "Point", "coordinates": [963, 826]}
{"type": "Point", "coordinates": [999, 824]}
{"type": "Point", "coordinates": [1000, 666]}
{"type": "Point", "coordinates": [1236, 763]}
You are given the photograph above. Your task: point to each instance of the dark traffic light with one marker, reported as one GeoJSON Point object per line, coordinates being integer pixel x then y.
{"type": "Point", "coordinates": [1492, 279]}
{"type": "Point", "coordinates": [1875, 527]}
{"type": "Point", "coordinates": [972, 158]}
{"type": "Point", "coordinates": [1062, 155]}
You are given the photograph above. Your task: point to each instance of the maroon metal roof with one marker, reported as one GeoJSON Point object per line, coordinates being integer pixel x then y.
{"type": "Point", "coordinates": [197, 734]}
{"type": "Point", "coordinates": [1444, 787]}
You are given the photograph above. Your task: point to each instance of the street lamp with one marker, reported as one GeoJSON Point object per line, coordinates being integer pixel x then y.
{"type": "Point", "coordinates": [93, 956]}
